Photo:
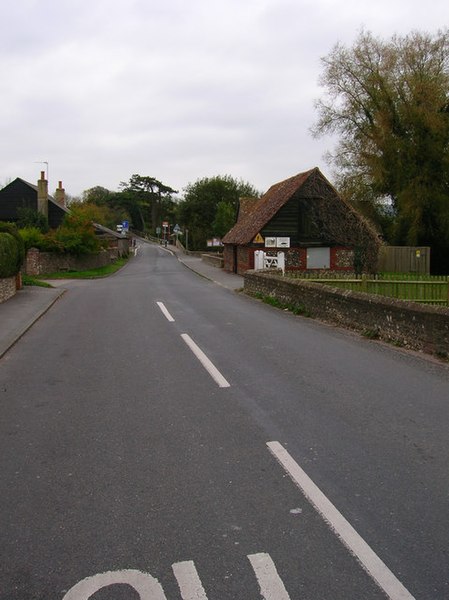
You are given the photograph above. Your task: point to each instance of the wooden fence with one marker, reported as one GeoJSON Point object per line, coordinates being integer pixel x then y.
{"type": "Point", "coordinates": [404, 259]}
{"type": "Point", "coordinates": [413, 288]}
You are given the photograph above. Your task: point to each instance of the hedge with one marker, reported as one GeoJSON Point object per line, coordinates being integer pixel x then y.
{"type": "Point", "coordinates": [9, 255]}
{"type": "Point", "coordinates": [12, 230]}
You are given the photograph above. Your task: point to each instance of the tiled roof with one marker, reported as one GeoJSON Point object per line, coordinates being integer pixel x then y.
{"type": "Point", "coordinates": [251, 221]}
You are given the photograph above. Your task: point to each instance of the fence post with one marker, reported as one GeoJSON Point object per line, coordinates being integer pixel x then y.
{"type": "Point", "coordinates": [364, 283]}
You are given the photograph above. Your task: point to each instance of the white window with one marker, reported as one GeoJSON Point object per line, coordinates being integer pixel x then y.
{"type": "Point", "coordinates": [318, 258]}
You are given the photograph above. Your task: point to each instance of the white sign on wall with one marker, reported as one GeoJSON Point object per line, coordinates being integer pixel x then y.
{"type": "Point", "coordinates": [277, 242]}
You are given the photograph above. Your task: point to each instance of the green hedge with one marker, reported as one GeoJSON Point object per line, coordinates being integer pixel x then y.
{"type": "Point", "coordinates": [11, 229]}
{"type": "Point", "coordinates": [9, 254]}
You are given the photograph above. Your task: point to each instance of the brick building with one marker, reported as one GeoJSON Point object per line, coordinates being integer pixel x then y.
{"type": "Point", "coordinates": [306, 218]}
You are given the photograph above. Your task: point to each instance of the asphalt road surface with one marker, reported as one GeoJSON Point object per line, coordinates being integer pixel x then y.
{"type": "Point", "coordinates": [164, 438]}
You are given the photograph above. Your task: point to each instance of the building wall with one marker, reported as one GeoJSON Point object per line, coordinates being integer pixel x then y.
{"type": "Point", "coordinates": [16, 195]}
{"type": "Point", "coordinates": [341, 258]}
{"type": "Point", "coordinates": [56, 215]}
{"type": "Point", "coordinates": [408, 324]}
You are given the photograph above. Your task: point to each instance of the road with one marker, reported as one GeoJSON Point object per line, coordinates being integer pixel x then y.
{"type": "Point", "coordinates": [164, 438]}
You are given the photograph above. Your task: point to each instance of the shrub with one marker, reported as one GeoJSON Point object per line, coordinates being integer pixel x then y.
{"type": "Point", "coordinates": [32, 237]}
{"type": "Point", "coordinates": [76, 236]}
{"type": "Point", "coordinates": [29, 217]}
{"type": "Point", "coordinates": [9, 254]}
{"type": "Point", "coordinates": [12, 230]}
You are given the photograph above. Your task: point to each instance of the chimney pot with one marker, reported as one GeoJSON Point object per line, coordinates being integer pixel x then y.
{"type": "Point", "coordinates": [42, 195]}
{"type": "Point", "coordinates": [60, 194]}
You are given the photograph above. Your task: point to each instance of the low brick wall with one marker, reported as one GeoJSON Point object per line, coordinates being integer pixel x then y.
{"type": "Point", "coordinates": [7, 288]}
{"type": "Point", "coordinates": [213, 259]}
{"type": "Point", "coordinates": [409, 324]}
{"type": "Point", "coordinates": [40, 263]}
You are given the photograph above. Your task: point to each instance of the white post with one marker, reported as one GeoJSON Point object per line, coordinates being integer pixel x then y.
{"type": "Point", "coordinates": [259, 256]}
{"type": "Point", "coordinates": [281, 262]}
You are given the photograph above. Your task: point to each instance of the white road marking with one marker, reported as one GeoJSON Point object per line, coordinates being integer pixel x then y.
{"type": "Point", "coordinates": [165, 312]}
{"type": "Point", "coordinates": [145, 585]}
{"type": "Point", "coordinates": [381, 574]}
{"type": "Point", "coordinates": [271, 585]}
{"type": "Point", "coordinates": [207, 364]}
{"type": "Point", "coordinates": [188, 580]}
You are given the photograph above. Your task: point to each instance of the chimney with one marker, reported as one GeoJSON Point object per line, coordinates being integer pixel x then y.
{"type": "Point", "coordinates": [60, 194]}
{"type": "Point", "coordinates": [42, 195]}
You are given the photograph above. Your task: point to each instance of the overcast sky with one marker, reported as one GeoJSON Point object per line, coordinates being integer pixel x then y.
{"type": "Point", "coordinates": [175, 89]}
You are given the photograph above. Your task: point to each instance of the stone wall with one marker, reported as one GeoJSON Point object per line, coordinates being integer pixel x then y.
{"type": "Point", "coordinates": [7, 288]}
{"type": "Point", "coordinates": [408, 324]}
{"type": "Point", "coordinates": [213, 259]}
{"type": "Point", "coordinates": [40, 263]}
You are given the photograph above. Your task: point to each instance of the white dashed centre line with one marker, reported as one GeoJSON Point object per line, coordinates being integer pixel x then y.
{"type": "Point", "coordinates": [165, 312]}
{"type": "Point", "coordinates": [381, 574]}
{"type": "Point", "coordinates": [207, 364]}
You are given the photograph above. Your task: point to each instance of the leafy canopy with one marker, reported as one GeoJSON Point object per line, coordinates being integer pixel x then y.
{"type": "Point", "coordinates": [147, 200]}
{"type": "Point", "coordinates": [388, 101]}
{"type": "Point", "coordinates": [210, 205]}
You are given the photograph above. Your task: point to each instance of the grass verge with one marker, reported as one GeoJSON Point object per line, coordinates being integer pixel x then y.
{"type": "Point", "coordinates": [90, 274]}
{"type": "Point", "coordinates": [296, 309]}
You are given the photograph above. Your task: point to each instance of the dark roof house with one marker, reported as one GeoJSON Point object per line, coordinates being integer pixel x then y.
{"type": "Point", "coordinates": [21, 194]}
{"type": "Point", "coordinates": [306, 212]}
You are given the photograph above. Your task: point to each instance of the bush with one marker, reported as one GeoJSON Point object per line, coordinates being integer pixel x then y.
{"type": "Point", "coordinates": [32, 237]}
{"type": "Point", "coordinates": [9, 254]}
{"type": "Point", "coordinates": [76, 236]}
{"type": "Point", "coordinates": [29, 217]}
{"type": "Point", "coordinates": [12, 230]}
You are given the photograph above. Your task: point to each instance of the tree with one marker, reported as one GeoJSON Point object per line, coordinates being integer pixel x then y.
{"type": "Point", "coordinates": [389, 102]}
{"type": "Point", "coordinates": [146, 198]}
{"type": "Point", "coordinates": [224, 218]}
{"type": "Point", "coordinates": [208, 205]}
{"type": "Point", "coordinates": [76, 235]}
{"type": "Point", "coordinates": [108, 208]}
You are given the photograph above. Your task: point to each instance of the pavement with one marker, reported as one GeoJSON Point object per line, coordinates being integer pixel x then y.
{"type": "Point", "coordinates": [21, 311]}
{"type": "Point", "coordinates": [231, 281]}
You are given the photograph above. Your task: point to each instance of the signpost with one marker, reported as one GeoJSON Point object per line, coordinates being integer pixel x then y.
{"type": "Point", "coordinates": [165, 227]}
